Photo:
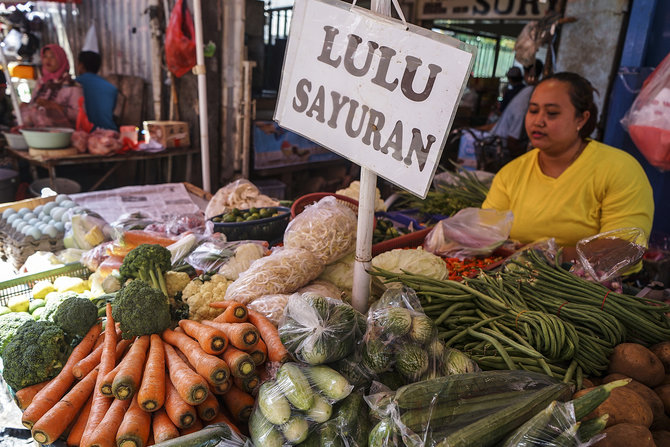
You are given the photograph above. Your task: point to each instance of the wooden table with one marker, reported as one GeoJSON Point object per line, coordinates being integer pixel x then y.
{"type": "Point", "coordinates": [117, 160]}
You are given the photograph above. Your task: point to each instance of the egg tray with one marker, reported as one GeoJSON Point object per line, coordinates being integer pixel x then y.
{"type": "Point", "coordinates": [17, 247]}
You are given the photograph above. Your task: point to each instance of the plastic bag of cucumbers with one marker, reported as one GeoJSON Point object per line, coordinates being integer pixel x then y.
{"type": "Point", "coordinates": [305, 405]}
{"type": "Point", "coordinates": [317, 329]}
{"type": "Point", "coordinates": [402, 340]}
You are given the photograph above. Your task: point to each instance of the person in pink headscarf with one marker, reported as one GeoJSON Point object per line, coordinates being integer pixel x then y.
{"type": "Point", "coordinates": [55, 100]}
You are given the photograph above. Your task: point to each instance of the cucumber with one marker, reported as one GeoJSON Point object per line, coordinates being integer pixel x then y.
{"type": "Point", "coordinates": [295, 386]}
{"type": "Point", "coordinates": [461, 386]}
{"type": "Point", "coordinates": [272, 403]}
{"type": "Point", "coordinates": [263, 433]}
{"type": "Point", "coordinates": [382, 434]}
{"type": "Point", "coordinates": [349, 413]}
{"type": "Point", "coordinates": [536, 428]}
{"type": "Point", "coordinates": [592, 427]}
{"type": "Point", "coordinates": [330, 436]}
{"type": "Point", "coordinates": [590, 401]}
{"type": "Point", "coordinates": [422, 329]}
{"type": "Point", "coordinates": [295, 430]}
{"type": "Point", "coordinates": [215, 434]}
{"type": "Point", "coordinates": [394, 321]}
{"type": "Point", "coordinates": [356, 373]}
{"type": "Point", "coordinates": [329, 382]}
{"type": "Point", "coordinates": [321, 410]}
{"type": "Point", "coordinates": [411, 360]}
{"type": "Point", "coordinates": [312, 440]}
{"type": "Point", "coordinates": [487, 431]}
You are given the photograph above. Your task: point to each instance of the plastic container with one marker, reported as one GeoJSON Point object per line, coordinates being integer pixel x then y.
{"type": "Point", "coordinates": [23, 284]}
{"type": "Point", "coordinates": [269, 229]}
{"type": "Point", "coordinates": [62, 186]}
{"type": "Point", "coordinates": [16, 141]}
{"type": "Point", "coordinates": [8, 181]}
{"type": "Point", "coordinates": [48, 137]}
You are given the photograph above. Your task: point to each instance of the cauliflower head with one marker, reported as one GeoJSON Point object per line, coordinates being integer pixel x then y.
{"type": "Point", "coordinates": [200, 292]}
{"type": "Point", "coordinates": [176, 282]}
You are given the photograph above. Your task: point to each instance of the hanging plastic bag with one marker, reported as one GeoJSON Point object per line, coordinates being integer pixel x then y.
{"type": "Point", "coordinates": [180, 40]}
{"type": "Point", "coordinates": [470, 232]}
{"type": "Point", "coordinates": [648, 119]}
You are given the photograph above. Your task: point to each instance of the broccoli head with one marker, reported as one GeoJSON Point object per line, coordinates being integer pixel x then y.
{"type": "Point", "coordinates": [147, 262]}
{"type": "Point", "coordinates": [10, 324]}
{"type": "Point", "coordinates": [141, 309]}
{"type": "Point", "coordinates": [53, 301]}
{"type": "Point", "coordinates": [37, 353]}
{"type": "Point", "coordinates": [76, 315]}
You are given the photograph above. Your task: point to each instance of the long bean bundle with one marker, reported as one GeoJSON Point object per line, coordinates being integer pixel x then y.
{"type": "Point", "coordinates": [537, 317]}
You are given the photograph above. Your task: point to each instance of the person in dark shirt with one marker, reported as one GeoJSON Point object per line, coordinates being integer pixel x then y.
{"type": "Point", "coordinates": [515, 85]}
{"type": "Point", "coordinates": [99, 94]}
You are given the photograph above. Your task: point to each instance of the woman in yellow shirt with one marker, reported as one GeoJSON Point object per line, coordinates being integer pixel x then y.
{"type": "Point", "coordinates": [570, 187]}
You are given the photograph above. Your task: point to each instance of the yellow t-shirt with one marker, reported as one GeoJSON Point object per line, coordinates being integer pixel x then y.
{"type": "Point", "coordinates": [604, 189]}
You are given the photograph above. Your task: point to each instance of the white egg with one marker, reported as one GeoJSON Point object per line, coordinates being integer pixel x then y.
{"type": "Point", "coordinates": [41, 225]}
{"type": "Point", "coordinates": [17, 221]}
{"type": "Point", "coordinates": [60, 198]}
{"type": "Point", "coordinates": [8, 212]}
{"type": "Point", "coordinates": [35, 233]}
{"type": "Point", "coordinates": [78, 210]}
{"type": "Point", "coordinates": [68, 204]}
{"type": "Point", "coordinates": [50, 230]}
{"type": "Point", "coordinates": [23, 211]}
{"type": "Point", "coordinates": [48, 207]}
{"type": "Point", "coordinates": [45, 218]}
{"type": "Point", "coordinates": [33, 221]}
{"type": "Point", "coordinates": [20, 225]}
{"type": "Point", "coordinates": [60, 226]}
{"type": "Point", "coordinates": [66, 217]}
{"type": "Point", "coordinates": [26, 229]}
{"type": "Point", "coordinates": [38, 209]}
{"type": "Point", "coordinates": [57, 213]}
{"type": "Point", "coordinates": [12, 217]}
{"type": "Point", "coordinates": [29, 216]}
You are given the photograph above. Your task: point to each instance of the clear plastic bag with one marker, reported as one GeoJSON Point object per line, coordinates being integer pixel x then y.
{"type": "Point", "coordinates": [295, 402]}
{"type": "Point", "coordinates": [470, 232]}
{"type": "Point", "coordinates": [317, 329]}
{"type": "Point", "coordinates": [272, 306]}
{"type": "Point", "coordinates": [606, 255]}
{"type": "Point", "coordinates": [241, 194]}
{"type": "Point", "coordinates": [285, 270]}
{"type": "Point", "coordinates": [326, 228]}
{"type": "Point", "coordinates": [432, 412]}
{"type": "Point", "coordinates": [647, 119]}
{"type": "Point", "coordinates": [214, 253]}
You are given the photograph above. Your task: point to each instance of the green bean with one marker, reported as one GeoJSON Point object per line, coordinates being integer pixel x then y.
{"type": "Point", "coordinates": [496, 345]}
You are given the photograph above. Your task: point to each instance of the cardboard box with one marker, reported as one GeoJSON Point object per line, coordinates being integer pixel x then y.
{"type": "Point", "coordinates": [167, 133]}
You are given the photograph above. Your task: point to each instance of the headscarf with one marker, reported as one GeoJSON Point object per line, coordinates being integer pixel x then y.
{"type": "Point", "coordinates": [63, 64]}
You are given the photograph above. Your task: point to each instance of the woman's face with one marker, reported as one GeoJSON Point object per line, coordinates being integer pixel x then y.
{"type": "Point", "coordinates": [49, 61]}
{"type": "Point", "coordinates": [552, 123]}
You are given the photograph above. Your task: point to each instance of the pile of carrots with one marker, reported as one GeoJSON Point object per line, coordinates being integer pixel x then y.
{"type": "Point", "coordinates": [133, 393]}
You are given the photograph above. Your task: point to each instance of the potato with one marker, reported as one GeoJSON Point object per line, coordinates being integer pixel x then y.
{"type": "Point", "coordinates": [655, 402]}
{"type": "Point", "coordinates": [637, 362]}
{"type": "Point", "coordinates": [623, 406]}
{"type": "Point", "coordinates": [626, 435]}
{"type": "Point", "coordinates": [662, 351]}
{"type": "Point", "coordinates": [663, 392]}
{"type": "Point", "coordinates": [661, 424]}
{"type": "Point", "coordinates": [666, 380]}
{"type": "Point", "coordinates": [661, 438]}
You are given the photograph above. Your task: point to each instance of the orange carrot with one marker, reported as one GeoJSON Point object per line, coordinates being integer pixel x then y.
{"type": "Point", "coordinates": [241, 335]}
{"type": "Point", "coordinates": [162, 427]}
{"type": "Point", "coordinates": [276, 350]}
{"type": "Point", "coordinates": [222, 388]}
{"type": "Point", "coordinates": [134, 238]}
{"type": "Point", "coordinates": [55, 421]}
{"type": "Point", "coordinates": [247, 384]}
{"type": "Point", "coordinates": [127, 380]}
{"type": "Point", "coordinates": [136, 426]}
{"type": "Point", "coordinates": [74, 437]}
{"type": "Point", "coordinates": [208, 366]}
{"type": "Point", "coordinates": [105, 433]}
{"type": "Point", "coordinates": [151, 394]}
{"type": "Point", "coordinates": [59, 385]}
{"type": "Point", "coordinates": [239, 403]}
{"type": "Point", "coordinates": [102, 403]}
{"type": "Point", "coordinates": [190, 385]}
{"type": "Point", "coordinates": [209, 408]}
{"type": "Point", "coordinates": [106, 384]}
{"type": "Point", "coordinates": [211, 340]}
{"type": "Point", "coordinates": [197, 426]}
{"type": "Point", "coordinates": [181, 413]}
{"type": "Point", "coordinates": [259, 353]}
{"type": "Point", "coordinates": [222, 418]}
{"type": "Point", "coordinates": [24, 396]}
{"type": "Point", "coordinates": [234, 312]}
{"type": "Point", "coordinates": [241, 364]}
{"type": "Point", "coordinates": [83, 367]}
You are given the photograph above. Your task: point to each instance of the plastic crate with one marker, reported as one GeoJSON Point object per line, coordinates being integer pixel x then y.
{"type": "Point", "coordinates": [23, 285]}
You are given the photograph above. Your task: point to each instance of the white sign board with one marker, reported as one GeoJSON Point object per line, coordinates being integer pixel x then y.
{"type": "Point", "coordinates": [372, 89]}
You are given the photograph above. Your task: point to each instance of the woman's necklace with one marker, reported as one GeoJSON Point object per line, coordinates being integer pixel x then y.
{"type": "Point", "coordinates": [556, 169]}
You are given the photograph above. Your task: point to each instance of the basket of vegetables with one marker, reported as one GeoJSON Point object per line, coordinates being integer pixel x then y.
{"type": "Point", "coordinates": [265, 224]}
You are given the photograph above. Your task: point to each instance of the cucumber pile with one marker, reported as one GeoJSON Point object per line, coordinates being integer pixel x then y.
{"type": "Point", "coordinates": [300, 400]}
